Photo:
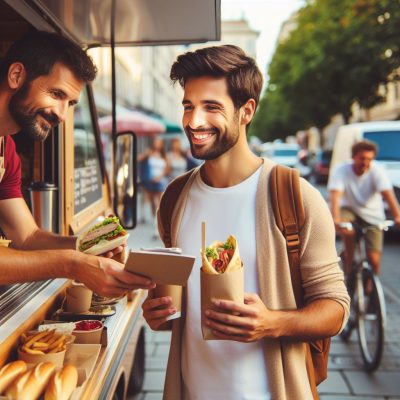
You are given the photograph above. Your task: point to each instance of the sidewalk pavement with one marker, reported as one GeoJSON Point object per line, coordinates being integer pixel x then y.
{"type": "Point", "coordinates": [347, 379]}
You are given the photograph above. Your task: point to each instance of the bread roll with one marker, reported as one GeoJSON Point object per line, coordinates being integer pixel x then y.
{"type": "Point", "coordinates": [10, 372]}
{"type": "Point", "coordinates": [62, 384]}
{"type": "Point", "coordinates": [31, 384]}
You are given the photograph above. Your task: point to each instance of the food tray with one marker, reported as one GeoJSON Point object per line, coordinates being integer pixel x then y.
{"type": "Point", "coordinates": [95, 312]}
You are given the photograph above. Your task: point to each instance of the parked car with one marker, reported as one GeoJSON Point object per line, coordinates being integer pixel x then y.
{"type": "Point", "coordinates": [287, 154]}
{"type": "Point", "coordinates": [283, 153]}
{"type": "Point", "coordinates": [321, 166]}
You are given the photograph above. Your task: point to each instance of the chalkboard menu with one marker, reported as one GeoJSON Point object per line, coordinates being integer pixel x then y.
{"type": "Point", "coordinates": [87, 171]}
{"type": "Point", "coordinates": [87, 185]}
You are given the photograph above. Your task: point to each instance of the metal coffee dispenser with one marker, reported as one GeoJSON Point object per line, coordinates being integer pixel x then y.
{"type": "Point", "coordinates": [43, 197]}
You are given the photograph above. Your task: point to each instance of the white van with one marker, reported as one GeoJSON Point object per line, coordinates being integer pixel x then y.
{"type": "Point", "coordinates": [386, 134]}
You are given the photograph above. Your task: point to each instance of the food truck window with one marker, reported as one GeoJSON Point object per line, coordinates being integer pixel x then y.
{"type": "Point", "coordinates": [88, 177]}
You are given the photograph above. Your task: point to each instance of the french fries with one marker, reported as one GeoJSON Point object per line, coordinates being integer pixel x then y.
{"type": "Point", "coordinates": [45, 342]}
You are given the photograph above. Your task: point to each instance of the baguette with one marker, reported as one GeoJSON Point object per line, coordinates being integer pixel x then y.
{"type": "Point", "coordinates": [62, 384]}
{"type": "Point", "coordinates": [31, 384]}
{"type": "Point", "coordinates": [10, 372]}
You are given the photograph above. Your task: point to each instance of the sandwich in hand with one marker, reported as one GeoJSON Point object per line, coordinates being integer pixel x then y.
{"type": "Point", "coordinates": [102, 237]}
{"type": "Point", "coordinates": [221, 277]}
{"type": "Point", "coordinates": [220, 258]}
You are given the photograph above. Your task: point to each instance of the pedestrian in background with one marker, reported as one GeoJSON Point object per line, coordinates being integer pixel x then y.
{"type": "Point", "coordinates": [178, 163]}
{"type": "Point", "coordinates": [154, 167]}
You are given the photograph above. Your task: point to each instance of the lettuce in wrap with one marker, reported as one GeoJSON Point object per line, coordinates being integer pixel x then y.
{"type": "Point", "coordinates": [220, 257]}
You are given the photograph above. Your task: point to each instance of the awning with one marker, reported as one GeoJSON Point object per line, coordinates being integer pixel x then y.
{"type": "Point", "coordinates": [137, 22]}
{"type": "Point", "coordinates": [135, 121]}
{"type": "Point", "coordinates": [170, 127]}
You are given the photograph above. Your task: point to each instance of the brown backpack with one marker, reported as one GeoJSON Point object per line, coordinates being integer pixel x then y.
{"type": "Point", "coordinates": [288, 209]}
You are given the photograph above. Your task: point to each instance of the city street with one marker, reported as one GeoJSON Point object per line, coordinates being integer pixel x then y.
{"type": "Point", "coordinates": [346, 379]}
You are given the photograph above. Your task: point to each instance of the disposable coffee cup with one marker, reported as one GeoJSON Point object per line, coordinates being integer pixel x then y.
{"type": "Point", "coordinates": [79, 298]}
{"type": "Point", "coordinates": [173, 291]}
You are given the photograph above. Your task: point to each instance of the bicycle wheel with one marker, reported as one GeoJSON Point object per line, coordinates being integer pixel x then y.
{"type": "Point", "coordinates": [370, 318]}
{"type": "Point", "coordinates": [351, 323]}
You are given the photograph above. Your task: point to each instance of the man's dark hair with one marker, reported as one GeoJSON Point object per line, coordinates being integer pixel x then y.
{"type": "Point", "coordinates": [364, 145]}
{"type": "Point", "coordinates": [242, 75]}
{"type": "Point", "coordinates": [38, 51]}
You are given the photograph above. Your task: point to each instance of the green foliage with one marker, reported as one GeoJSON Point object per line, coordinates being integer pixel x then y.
{"type": "Point", "coordinates": [211, 252]}
{"type": "Point", "coordinates": [342, 51]}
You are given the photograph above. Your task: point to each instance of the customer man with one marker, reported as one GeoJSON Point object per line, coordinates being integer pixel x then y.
{"type": "Point", "coordinates": [41, 76]}
{"type": "Point", "coordinates": [356, 190]}
{"type": "Point", "coordinates": [229, 191]}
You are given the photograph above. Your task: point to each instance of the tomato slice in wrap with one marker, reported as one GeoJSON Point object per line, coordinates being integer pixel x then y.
{"type": "Point", "coordinates": [222, 257]}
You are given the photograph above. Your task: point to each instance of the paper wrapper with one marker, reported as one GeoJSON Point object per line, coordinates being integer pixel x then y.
{"type": "Point", "coordinates": [226, 286]}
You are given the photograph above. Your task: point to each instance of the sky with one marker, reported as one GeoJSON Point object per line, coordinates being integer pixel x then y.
{"type": "Point", "coordinates": [265, 16]}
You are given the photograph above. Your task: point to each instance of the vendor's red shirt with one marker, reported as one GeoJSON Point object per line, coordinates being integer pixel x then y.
{"type": "Point", "coordinates": [10, 185]}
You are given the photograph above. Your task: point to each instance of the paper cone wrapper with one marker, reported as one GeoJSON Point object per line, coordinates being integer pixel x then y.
{"type": "Point", "coordinates": [226, 286]}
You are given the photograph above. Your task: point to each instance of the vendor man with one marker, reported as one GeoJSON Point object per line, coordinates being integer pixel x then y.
{"type": "Point", "coordinates": [41, 76]}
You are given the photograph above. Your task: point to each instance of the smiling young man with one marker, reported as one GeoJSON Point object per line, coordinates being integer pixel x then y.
{"type": "Point", "coordinates": [41, 76]}
{"type": "Point", "coordinates": [261, 355]}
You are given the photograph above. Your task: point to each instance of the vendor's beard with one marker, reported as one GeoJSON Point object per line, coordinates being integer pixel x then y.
{"type": "Point", "coordinates": [26, 120]}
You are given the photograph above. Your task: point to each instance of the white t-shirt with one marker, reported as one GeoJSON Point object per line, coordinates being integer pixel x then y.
{"type": "Point", "coordinates": [362, 194]}
{"type": "Point", "coordinates": [220, 369]}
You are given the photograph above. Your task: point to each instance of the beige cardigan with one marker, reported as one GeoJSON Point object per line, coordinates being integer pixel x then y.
{"type": "Point", "coordinates": [321, 278]}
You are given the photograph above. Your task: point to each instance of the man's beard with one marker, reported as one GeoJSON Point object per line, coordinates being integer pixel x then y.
{"type": "Point", "coordinates": [26, 120]}
{"type": "Point", "coordinates": [221, 145]}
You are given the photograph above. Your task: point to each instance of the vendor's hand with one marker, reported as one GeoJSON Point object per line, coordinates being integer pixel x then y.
{"type": "Point", "coordinates": [112, 253]}
{"type": "Point", "coordinates": [397, 221]}
{"type": "Point", "coordinates": [108, 277]}
{"type": "Point", "coordinates": [156, 310]}
{"type": "Point", "coordinates": [246, 322]}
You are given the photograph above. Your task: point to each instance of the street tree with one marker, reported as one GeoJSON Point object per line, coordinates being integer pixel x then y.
{"type": "Point", "coordinates": [341, 52]}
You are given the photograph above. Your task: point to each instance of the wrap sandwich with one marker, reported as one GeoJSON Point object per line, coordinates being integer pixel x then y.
{"type": "Point", "coordinates": [220, 258]}
{"type": "Point", "coordinates": [221, 277]}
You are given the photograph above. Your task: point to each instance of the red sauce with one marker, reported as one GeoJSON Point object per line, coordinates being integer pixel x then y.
{"type": "Point", "coordinates": [87, 325]}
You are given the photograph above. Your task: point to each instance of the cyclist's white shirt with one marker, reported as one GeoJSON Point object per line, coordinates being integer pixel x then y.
{"type": "Point", "coordinates": [362, 194]}
{"type": "Point", "coordinates": [219, 369]}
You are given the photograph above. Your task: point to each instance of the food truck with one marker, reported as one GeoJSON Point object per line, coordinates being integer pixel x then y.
{"type": "Point", "coordinates": [72, 189]}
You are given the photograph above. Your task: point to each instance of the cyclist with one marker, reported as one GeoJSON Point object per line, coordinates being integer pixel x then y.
{"type": "Point", "coordinates": [357, 190]}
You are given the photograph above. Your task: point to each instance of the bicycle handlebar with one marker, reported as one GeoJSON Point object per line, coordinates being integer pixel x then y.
{"type": "Point", "coordinates": [384, 226]}
{"type": "Point", "coordinates": [346, 225]}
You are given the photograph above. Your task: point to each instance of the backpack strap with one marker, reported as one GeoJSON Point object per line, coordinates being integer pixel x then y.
{"type": "Point", "coordinates": [168, 202]}
{"type": "Point", "coordinates": [289, 214]}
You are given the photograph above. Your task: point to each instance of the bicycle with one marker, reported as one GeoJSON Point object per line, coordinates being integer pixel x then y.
{"type": "Point", "coordinates": [367, 311]}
